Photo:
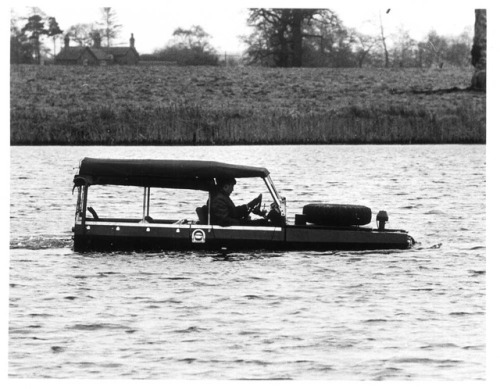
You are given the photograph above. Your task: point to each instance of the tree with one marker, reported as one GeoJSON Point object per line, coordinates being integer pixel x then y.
{"type": "Point", "coordinates": [21, 49]}
{"type": "Point", "coordinates": [95, 36]}
{"type": "Point", "coordinates": [189, 47]}
{"type": "Point", "coordinates": [479, 51]}
{"type": "Point", "coordinates": [338, 42]}
{"type": "Point", "coordinates": [437, 46]}
{"type": "Point", "coordinates": [422, 55]}
{"type": "Point", "coordinates": [109, 23]}
{"type": "Point", "coordinates": [328, 43]}
{"type": "Point", "coordinates": [458, 52]}
{"type": "Point", "coordinates": [383, 39]}
{"type": "Point", "coordinates": [35, 28]}
{"type": "Point", "coordinates": [27, 42]}
{"type": "Point", "coordinates": [405, 49]}
{"type": "Point", "coordinates": [193, 38]}
{"type": "Point", "coordinates": [279, 35]}
{"type": "Point", "coordinates": [363, 45]}
{"type": "Point", "coordinates": [259, 49]}
{"type": "Point", "coordinates": [53, 31]}
{"type": "Point", "coordinates": [81, 33]}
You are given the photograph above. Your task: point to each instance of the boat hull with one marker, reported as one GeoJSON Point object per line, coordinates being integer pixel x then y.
{"type": "Point", "coordinates": [115, 235]}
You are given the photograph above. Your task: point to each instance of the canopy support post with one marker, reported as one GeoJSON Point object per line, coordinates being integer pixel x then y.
{"type": "Point", "coordinates": [78, 212]}
{"type": "Point", "coordinates": [145, 203]}
{"type": "Point", "coordinates": [280, 201]}
{"type": "Point", "coordinates": [84, 206]}
{"type": "Point", "coordinates": [208, 210]}
{"type": "Point", "coordinates": [149, 196]}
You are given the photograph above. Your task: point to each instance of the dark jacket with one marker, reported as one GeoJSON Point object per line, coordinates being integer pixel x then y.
{"type": "Point", "coordinates": [223, 211]}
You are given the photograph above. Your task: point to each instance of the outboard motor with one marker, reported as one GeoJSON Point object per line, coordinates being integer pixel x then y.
{"type": "Point", "coordinates": [382, 218]}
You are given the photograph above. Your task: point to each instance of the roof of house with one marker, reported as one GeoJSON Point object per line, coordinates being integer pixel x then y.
{"type": "Point", "coordinates": [119, 51]}
{"type": "Point", "coordinates": [72, 53]}
{"type": "Point", "coordinates": [101, 54]}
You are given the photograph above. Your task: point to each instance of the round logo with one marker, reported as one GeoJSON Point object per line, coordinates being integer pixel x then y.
{"type": "Point", "coordinates": [198, 236]}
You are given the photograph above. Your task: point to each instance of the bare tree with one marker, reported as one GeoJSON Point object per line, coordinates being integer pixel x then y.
{"type": "Point", "coordinates": [81, 33]}
{"type": "Point", "coordinates": [383, 39]}
{"type": "Point", "coordinates": [365, 43]}
{"type": "Point", "coordinates": [109, 23]}
{"type": "Point", "coordinates": [405, 49]}
{"type": "Point", "coordinates": [437, 46]}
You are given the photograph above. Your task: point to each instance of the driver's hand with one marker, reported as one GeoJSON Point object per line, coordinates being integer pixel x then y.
{"type": "Point", "coordinates": [261, 213]}
{"type": "Point", "coordinates": [256, 201]}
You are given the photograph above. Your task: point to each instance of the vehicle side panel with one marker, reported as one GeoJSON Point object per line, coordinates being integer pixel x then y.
{"type": "Point", "coordinates": [99, 235]}
{"type": "Point", "coordinates": [324, 237]}
{"type": "Point", "coordinates": [116, 236]}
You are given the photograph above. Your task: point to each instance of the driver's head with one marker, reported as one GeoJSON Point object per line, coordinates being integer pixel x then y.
{"type": "Point", "coordinates": [226, 185]}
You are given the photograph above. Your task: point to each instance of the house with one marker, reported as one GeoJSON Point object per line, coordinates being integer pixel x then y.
{"type": "Point", "coordinates": [97, 55]}
{"type": "Point", "coordinates": [122, 55]}
{"type": "Point", "coordinates": [76, 56]}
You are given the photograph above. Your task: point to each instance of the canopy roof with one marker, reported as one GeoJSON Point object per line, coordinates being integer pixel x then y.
{"type": "Point", "coordinates": [161, 173]}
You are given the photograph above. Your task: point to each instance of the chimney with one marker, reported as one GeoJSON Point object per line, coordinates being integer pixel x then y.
{"type": "Point", "coordinates": [66, 41]}
{"type": "Point", "coordinates": [97, 40]}
{"type": "Point", "coordinates": [132, 40]}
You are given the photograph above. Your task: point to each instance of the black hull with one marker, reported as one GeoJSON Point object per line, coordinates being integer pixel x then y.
{"type": "Point", "coordinates": [288, 238]}
{"type": "Point", "coordinates": [137, 244]}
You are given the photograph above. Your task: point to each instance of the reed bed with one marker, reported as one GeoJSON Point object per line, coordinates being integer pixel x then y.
{"type": "Point", "coordinates": [175, 105]}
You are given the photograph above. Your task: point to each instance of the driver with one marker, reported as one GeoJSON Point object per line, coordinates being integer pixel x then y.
{"type": "Point", "coordinates": [222, 209]}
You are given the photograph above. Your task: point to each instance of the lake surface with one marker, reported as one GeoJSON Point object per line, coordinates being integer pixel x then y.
{"type": "Point", "coordinates": [378, 315]}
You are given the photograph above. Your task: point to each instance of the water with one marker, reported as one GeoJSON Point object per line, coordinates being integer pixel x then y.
{"type": "Point", "coordinates": [380, 315]}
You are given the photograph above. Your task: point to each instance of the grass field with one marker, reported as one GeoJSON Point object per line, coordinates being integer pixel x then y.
{"type": "Point", "coordinates": [243, 105]}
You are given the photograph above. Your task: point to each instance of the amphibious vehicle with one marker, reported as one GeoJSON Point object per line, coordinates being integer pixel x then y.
{"type": "Point", "coordinates": [318, 227]}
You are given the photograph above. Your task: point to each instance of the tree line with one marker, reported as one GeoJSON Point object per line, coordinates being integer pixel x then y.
{"type": "Point", "coordinates": [27, 43]}
{"type": "Point", "coordinates": [189, 47]}
{"type": "Point", "coordinates": [319, 38]}
{"type": "Point", "coordinates": [279, 38]}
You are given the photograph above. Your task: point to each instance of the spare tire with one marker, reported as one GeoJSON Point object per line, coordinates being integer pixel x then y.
{"type": "Point", "coordinates": [337, 214]}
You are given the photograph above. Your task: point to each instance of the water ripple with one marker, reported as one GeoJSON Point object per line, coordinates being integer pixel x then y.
{"type": "Point", "coordinates": [379, 315]}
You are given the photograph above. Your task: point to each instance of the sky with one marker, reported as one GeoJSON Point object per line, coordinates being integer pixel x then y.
{"type": "Point", "coordinates": [153, 23]}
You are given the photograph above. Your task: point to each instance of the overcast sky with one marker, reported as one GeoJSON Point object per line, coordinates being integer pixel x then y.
{"type": "Point", "coordinates": [153, 23]}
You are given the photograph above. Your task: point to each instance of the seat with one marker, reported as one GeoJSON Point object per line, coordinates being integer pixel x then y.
{"type": "Point", "coordinates": [202, 213]}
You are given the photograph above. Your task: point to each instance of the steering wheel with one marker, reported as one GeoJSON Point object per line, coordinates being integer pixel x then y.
{"type": "Point", "coordinates": [256, 208]}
